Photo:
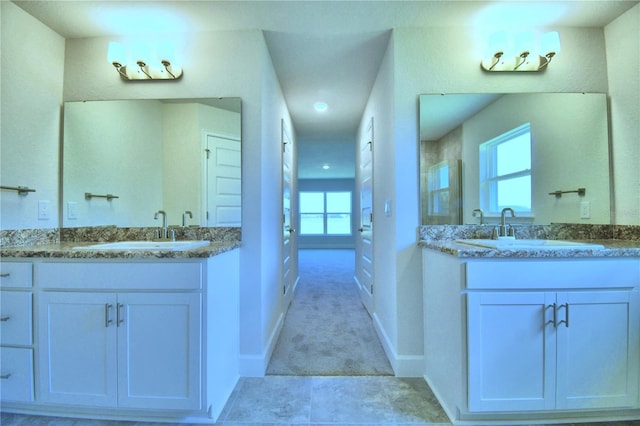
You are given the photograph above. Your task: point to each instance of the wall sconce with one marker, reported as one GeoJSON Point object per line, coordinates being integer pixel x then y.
{"type": "Point", "coordinates": [522, 56]}
{"type": "Point", "coordinates": [151, 64]}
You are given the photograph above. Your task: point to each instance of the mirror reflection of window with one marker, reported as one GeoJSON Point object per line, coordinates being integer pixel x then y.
{"type": "Point", "coordinates": [438, 189]}
{"type": "Point", "coordinates": [505, 172]}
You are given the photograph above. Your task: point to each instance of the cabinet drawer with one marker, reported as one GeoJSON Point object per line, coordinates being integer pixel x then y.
{"type": "Point", "coordinates": [545, 274]}
{"type": "Point", "coordinates": [120, 275]}
{"type": "Point", "coordinates": [15, 318]}
{"type": "Point", "coordinates": [16, 372]}
{"type": "Point", "coordinates": [16, 274]}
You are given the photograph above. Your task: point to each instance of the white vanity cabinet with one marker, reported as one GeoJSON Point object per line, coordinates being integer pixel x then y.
{"type": "Point", "coordinates": [16, 332]}
{"type": "Point", "coordinates": [521, 359]}
{"type": "Point", "coordinates": [136, 350]}
{"type": "Point", "coordinates": [512, 339]}
{"type": "Point", "coordinates": [153, 339]}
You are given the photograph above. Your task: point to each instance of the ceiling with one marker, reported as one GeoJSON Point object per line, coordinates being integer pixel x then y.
{"type": "Point", "coordinates": [321, 50]}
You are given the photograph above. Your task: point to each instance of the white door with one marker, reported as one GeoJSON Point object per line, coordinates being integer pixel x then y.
{"type": "Point", "coordinates": [287, 227]}
{"type": "Point", "coordinates": [159, 350]}
{"type": "Point", "coordinates": [364, 236]}
{"type": "Point", "coordinates": [222, 198]}
{"type": "Point", "coordinates": [598, 348]}
{"type": "Point", "coordinates": [511, 346]}
{"type": "Point", "coordinates": [78, 357]}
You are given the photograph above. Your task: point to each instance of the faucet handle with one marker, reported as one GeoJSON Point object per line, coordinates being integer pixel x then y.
{"type": "Point", "coordinates": [494, 233]}
{"type": "Point", "coordinates": [512, 231]}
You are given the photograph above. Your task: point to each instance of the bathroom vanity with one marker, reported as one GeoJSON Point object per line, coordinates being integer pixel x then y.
{"type": "Point", "coordinates": [120, 334]}
{"type": "Point", "coordinates": [532, 333]}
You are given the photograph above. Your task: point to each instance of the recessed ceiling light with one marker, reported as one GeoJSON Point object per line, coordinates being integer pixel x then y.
{"type": "Point", "coordinates": [325, 167]}
{"type": "Point", "coordinates": [320, 106]}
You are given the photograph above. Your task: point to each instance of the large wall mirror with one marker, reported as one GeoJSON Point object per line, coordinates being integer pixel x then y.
{"type": "Point", "coordinates": [124, 160]}
{"type": "Point", "coordinates": [566, 164]}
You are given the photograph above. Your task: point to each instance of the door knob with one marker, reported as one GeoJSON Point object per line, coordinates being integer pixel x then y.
{"type": "Point", "coordinates": [360, 229]}
{"type": "Point", "coordinates": [291, 230]}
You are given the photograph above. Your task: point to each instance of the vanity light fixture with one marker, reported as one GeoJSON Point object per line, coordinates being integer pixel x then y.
{"type": "Point", "coordinates": [151, 64]}
{"type": "Point", "coordinates": [522, 55]}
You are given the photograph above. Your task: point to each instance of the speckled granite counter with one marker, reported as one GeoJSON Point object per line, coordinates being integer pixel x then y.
{"type": "Point", "coordinates": [612, 248]}
{"type": "Point", "coordinates": [65, 250]}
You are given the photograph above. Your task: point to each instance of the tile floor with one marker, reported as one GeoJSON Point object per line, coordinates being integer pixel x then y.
{"type": "Point", "coordinates": [314, 401]}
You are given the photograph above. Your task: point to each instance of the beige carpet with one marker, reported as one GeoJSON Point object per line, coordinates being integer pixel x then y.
{"type": "Point", "coordinates": [327, 331]}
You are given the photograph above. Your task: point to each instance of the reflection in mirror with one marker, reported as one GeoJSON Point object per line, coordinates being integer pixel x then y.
{"type": "Point", "coordinates": [569, 150]}
{"type": "Point", "coordinates": [181, 156]}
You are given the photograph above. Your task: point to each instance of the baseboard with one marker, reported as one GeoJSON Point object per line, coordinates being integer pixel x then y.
{"type": "Point", "coordinates": [256, 365]}
{"type": "Point", "coordinates": [402, 365]}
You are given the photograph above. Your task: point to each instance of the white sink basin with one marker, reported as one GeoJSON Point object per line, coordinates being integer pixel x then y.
{"type": "Point", "coordinates": [511, 244]}
{"type": "Point", "coordinates": [146, 245]}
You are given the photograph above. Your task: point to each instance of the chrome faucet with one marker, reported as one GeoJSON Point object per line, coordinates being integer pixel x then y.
{"type": "Point", "coordinates": [480, 213]}
{"type": "Point", "coordinates": [184, 217]}
{"type": "Point", "coordinates": [165, 230]}
{"type": "Point", "coordinates": [502, 231]}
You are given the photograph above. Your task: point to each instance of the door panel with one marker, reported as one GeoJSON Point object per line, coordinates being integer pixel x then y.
{"type": "Point", "coordinates": [364, 236]}
{"type": "Point", "coordinates": [222, 189]}
{"type": "Point", "coordinates": [597, 349]}
{"type": "Point", "coordinates": [287, 227]}
{"type": "Point", "coordinates": [78, 348]}
{"type": "Point", "coordinates": [159, 350]}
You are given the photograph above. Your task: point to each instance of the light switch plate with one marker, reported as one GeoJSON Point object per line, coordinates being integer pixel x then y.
{"type": "Point", "coordinates": [72, 210]}
{"type": "Point", "coordinates": [387, 208]}
{"type": "Point", "coordinates": [43, 210]}
{"type": "Point", "coordinates": [585, 210]}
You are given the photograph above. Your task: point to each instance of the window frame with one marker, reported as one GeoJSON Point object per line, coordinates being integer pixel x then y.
{"type": "Point", "coordinates": [489, 178]}
{"type": "Point", "coordinates": [325, 214]}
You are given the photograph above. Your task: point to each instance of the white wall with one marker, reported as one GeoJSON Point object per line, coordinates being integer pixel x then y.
{"type": "Point", "coordinates": [623, 67]}
{"type": "Point", "coordinates": [32, 68]}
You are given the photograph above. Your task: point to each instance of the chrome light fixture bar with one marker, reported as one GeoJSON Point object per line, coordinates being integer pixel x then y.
{"type": "Point", "coordinates": [144, 69]}
{"type": "Point", "coordinates": [520, 58]}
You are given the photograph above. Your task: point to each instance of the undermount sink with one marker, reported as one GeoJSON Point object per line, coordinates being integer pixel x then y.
{"type": "Point", "coordinates": [146, 245]}
{"type": "Point", "coordinates": [515, 244]}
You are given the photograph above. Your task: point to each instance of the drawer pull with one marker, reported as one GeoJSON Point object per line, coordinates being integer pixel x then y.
{"type": "Point", "coordinates": [5, 275]}
{"type": "Point", "coordinates": [5, 376]}
{"type": "Point", "coordinates": [5, 319]}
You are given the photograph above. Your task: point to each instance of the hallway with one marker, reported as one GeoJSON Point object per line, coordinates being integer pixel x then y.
{"type": "Point", "coordinates": [327, 331]}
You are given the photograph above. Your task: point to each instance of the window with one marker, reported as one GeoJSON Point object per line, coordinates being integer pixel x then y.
{"type": "Point", "coordinates": [438, 189]}
{"type": "Point", "coordinates": [325, 213]}
{"type": "Point", "coordinates": [505, 171]}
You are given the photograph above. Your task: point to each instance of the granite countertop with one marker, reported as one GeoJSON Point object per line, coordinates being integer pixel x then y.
{"type": "Point", "coordinates": [612, 248]}
{"type": "Point", "coordinates": [64, 250]}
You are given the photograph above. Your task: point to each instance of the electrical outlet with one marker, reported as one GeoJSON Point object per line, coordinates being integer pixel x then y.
{"type": "Point", "coordinates": [585, 210]}
{"type": "Point", "coordinates": [43, 210]}
{"type": "Point", "coordinates": [72, 210]}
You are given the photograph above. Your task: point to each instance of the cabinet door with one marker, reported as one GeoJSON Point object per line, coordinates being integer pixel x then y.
{"type": "Point", "coordinates": [511, 345]}
{"type": "Point", "coordinates": [159, 349]}
{"type": "Point", "coordinates": [598, 349]}
{"type": "Point", "coordinates": [77, 356]}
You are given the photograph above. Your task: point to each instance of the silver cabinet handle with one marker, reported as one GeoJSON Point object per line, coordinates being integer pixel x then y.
{"type": "Point", "coordinates": [5, 275]}
{"type": "Point", "coordinates": [554, 320]}
{"type": "Point", "coordinates": [4, 319]}
{"type": "Point", "coordinates": [565, 321]}
{"type": "Point", "coordinates": [107, 314]}
{"type": "Point", "coordinates": [5, 376]}
{"type": "Point", "coordinates": [119, 316]}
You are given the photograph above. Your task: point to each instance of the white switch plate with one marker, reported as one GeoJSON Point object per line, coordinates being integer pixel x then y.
{"type": "Point", "coordinates": [387, 208]}
{"type": "Point", "coordinates": [585, 210]}
{"type": "Point", "coordinates": [72, 210]}
{"type": "Point", "coordinates": [43, 210]}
